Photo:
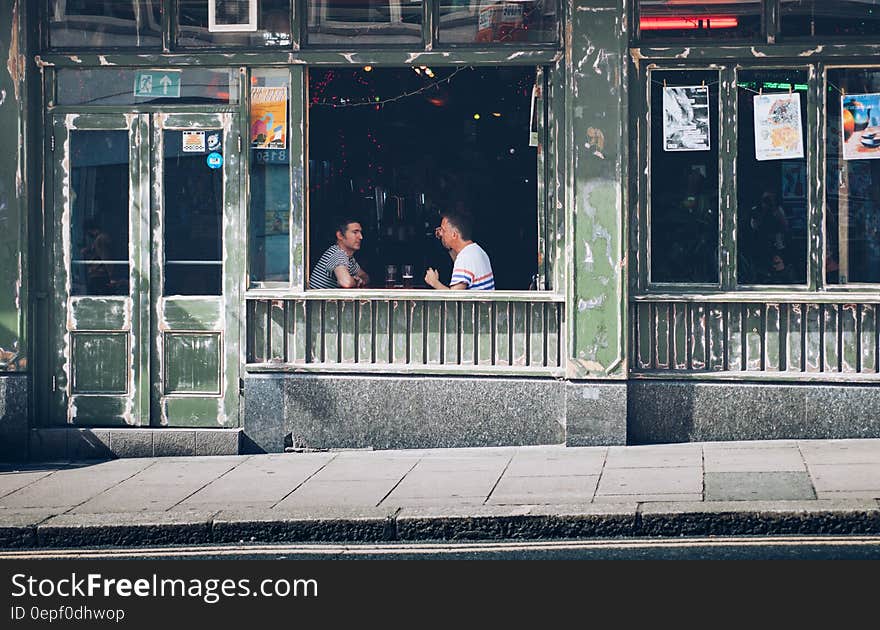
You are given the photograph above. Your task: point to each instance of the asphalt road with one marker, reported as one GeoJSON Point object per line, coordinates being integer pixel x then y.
{"type": "Point", "coordinates": [743, 548]}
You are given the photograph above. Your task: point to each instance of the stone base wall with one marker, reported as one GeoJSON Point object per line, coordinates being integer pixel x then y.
{"type": "Point", "coordinates": [686, 411]}
{"type": "Point", "coordinates": [74, 443]}
{"type": "Point", "coordinates": [326, 411]}
{"type": "Point", "coordinates": [13, 418]}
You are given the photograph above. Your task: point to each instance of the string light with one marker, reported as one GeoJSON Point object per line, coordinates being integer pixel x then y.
{"type": "Point", "coordinates": [377, 102]}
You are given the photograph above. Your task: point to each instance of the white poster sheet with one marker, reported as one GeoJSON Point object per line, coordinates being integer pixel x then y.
{"type": "Point", "coordinates": [686, 118]}
{"type": "Point", "coordinates": [778, 131]}
{"type": "Point", "coordinates": [860, 126]}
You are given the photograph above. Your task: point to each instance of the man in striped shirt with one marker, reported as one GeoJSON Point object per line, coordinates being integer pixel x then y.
{"type": "Point", "coordinates": [337, 267]}
{"type": "Point", "coordinates": [471, 268]}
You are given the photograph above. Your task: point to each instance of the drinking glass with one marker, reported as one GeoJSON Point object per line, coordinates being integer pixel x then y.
{"type": "Point", "coordinates": [407, 276]}
{"type": "Point", "coordinates": [390, 276]}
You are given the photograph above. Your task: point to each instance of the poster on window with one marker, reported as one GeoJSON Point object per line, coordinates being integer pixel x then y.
{"type": "Point", "coordinates": [861, 126]}
{"type": "Point", "coordinates": [778, 131]}
{"type": "Point", "coordinates": [686, 118]}
{"type": "Point", "coordinates": [269, 117]}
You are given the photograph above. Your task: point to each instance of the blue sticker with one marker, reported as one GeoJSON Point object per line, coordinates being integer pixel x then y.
{"type": "Point", "coordinates": [215, 160]}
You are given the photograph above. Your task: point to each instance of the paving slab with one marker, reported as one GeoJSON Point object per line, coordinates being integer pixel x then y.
{"type": "Point", "coordinates": [364, 493]}
{"type": "Point", "coordinates": [364, 468]}
{"type": "Point", "coordinates": [159, 487]}
{"type": "Point", "coordinates": [761, 486]}
{"type": "Point", "coordinates": [255, 483]}
{"type": "Point", "coordinates": [449, 484]}
{"type": "Point", "coordinates": [650, 481]}
{"type": "Point", "coordinates": [583, 462]}
{"type": "Point", "coordinates": [854, 494]}
{"type": "Point", "coordinates": [749, 444]}
{"type": "Point", "coordinates": [533, 490]}
{"type": "Point", "coordinates": [845, 477]}
{"type": "Point", "coordinates": [655, 456]}
{"type": "Point", "coordinates": [68, 487]}
{"type": "Point", "coordinates": [13, 480]}
{"type": "Point", "coordinates": [840, 451]}
{"type": "Point", "coordinates": [462, 464]}
{"type": "Point", "coordinates": [771, 459]}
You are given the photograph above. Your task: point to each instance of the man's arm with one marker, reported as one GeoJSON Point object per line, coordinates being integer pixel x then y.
{"type": "Point", "coordinates": [432, 279]}
{"type": "Point", "coordinates": [363, 276]}
{"type": "Point", "coordinates": [345, 279]}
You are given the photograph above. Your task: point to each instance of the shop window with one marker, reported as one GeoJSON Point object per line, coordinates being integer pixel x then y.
{"type": "Point", "coordinates": [269, 218]}
{"type": "Point", "coordinates": [772, 191]}
{"type": "Point", "coordinates": [684, 225]}
{"type": "Point", "coordinates": [393, 147]}
{"type": "Point", "coordinates": [497, 21]}
{"type": "Point", "coordinates": [99, 183]}
{"type": "Point", "coordinates": [364, 21]}
{"type": "Point", "coordinates": [221, 24]}
{"type": "Point", "coordinates": [852, 227]}
{"type": "Point", "coordinates": [679, 19]}
{"type": "Point", "coordinates": [105, 23]}
{"type": "Point", "coordinates": [807, 18]}
{"type": "Point", "coordinates": [127, 86]}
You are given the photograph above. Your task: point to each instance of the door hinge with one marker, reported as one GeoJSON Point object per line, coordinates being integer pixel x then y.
{"type": "Point", "coordinates": [54, 385]}
{"type": "Point", "coordinates": [239, 144]}
{"type": "Point", "coordinates": [241, 387]}
{"type": "Point", "coordinates": [52, 143]}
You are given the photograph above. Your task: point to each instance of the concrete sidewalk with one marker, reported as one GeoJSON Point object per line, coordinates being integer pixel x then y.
{"type": "Point", "coordinates": [713, 488]}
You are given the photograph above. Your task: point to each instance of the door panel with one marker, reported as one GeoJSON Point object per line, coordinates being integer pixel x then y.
{"type": "Point", "coordinates": [147, 258]}
{"type": "Point", "coordinates": [195, 289]}
{"type": "Point", "coordinates": [97, 253]}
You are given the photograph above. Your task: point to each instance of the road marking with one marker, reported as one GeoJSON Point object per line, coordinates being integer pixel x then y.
{"type": "Point", "coordinates": [441, 548]}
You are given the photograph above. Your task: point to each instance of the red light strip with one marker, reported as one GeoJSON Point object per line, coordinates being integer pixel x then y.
{"type": "Point", "coordinates": [663, 23]}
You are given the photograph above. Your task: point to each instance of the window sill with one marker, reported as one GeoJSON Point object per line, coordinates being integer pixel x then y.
{"type": "Point", "coordinates": [405, 294]}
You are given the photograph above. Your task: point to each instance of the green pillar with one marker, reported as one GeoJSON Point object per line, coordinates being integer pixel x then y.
{"type": "Point", "coordinates": [597, 128]}
{"type": "Point", "coordinates": [597, 137]}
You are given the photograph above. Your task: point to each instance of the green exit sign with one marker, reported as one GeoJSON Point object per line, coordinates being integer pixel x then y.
{"type": "Point", "coordinates": [157, 84]}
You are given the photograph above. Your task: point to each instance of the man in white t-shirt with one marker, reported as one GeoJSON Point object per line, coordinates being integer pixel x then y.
{"type": "Point", "coordinates": [471, 268]}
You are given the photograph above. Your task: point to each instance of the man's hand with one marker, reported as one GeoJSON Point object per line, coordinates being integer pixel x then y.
{"type": "Point", "coordinates": [432, 278]}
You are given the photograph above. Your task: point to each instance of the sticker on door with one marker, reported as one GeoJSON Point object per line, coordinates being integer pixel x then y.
{"type": "Point", "coordinates": [193, 141]}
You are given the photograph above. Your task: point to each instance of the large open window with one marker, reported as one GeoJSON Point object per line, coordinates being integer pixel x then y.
{"type": "Point", "coordinates": [393, 147]}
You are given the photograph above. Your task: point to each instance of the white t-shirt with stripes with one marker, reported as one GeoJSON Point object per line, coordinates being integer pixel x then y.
{"type": "Point", "coordinates": [472, 267]}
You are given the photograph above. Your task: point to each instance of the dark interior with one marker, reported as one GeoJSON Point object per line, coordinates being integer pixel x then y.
{"type": "Point", "coordinates": [393, 146]}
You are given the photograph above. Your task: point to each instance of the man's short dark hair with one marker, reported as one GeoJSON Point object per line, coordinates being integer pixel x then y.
{"type": "Point", "coordinates": [460, 220]}
{"type": "Point", "coordinates": [342, 223]}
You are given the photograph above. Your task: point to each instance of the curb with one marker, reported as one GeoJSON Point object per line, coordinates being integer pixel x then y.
{"type": "Point", "coordinates": [451, 524]}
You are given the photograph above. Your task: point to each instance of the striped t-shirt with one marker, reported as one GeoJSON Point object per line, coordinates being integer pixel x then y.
{"type": "Point", "coordinates": [472, 267]}
{"type": "Point", "coordinates": [323, 275]}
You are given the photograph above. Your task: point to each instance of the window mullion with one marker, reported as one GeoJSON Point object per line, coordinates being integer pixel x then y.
{"type": "Point", "coordinates": [430, 13]}
{"type": "Point", "coordinates": [771, 20]}
{"type": "Point", "coordinates": [727, 155]}
{"type": "Point", "coordinates": [816, 146]}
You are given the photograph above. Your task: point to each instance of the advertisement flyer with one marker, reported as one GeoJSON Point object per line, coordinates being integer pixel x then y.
{"type": "Point", "coordinates": [860, 126]}
{"type": "Point", "coordinates": [686, 118]}
{"type": "Point", "coordinates": [778, 131]}
{"type": "Point", "coordinates": [269, 118]}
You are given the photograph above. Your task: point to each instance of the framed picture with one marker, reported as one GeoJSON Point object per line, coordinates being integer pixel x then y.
{"type": "Point", "coordinates": [232, 16]}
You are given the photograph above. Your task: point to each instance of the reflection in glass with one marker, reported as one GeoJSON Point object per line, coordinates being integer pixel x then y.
{"type": "Point", "coordinates": [106, 24]}
{"type": "Point", "coordinates": [733, 19]}
{"type": "Point", "coordinates": [821, 17]}
{"type": "Point", "coordinates": [684, 179]}
{"type": "Point", "coordinates": [371, 22]}
{"type": "Point", "coordinates": [273, 26]}
{"type": "Point", "coordinates": [852, 228]}
{"type": "Point", "coordinates": [193, 213]}
{"type": "Point", "coordinates": [772, 194]}
{"type": "Point", "coordinates": [99, 212]}
{"type": "Point", "coordinates": [269, 227]}
{"type": "Point", "coordinates": [497, 21]}
{"type": "Point", "coordinates": [115, 86]}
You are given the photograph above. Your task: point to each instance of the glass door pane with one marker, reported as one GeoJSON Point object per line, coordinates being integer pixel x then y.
{"type": "Point", "coordinates": [193, 203]}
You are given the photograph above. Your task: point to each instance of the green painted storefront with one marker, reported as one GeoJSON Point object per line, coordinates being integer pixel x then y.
{"type": "Point", "coordinates": [608, 352]}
